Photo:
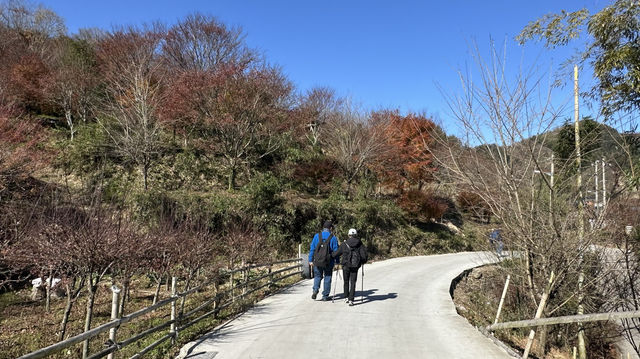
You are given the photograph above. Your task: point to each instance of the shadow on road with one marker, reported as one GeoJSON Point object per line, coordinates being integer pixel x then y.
{"type": "Point", "coordinates": [369, 296]}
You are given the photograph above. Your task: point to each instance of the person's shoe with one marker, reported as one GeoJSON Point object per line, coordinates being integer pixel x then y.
{"type": "Point", "coordinates": [314, 295]}
{"type": "Point", "coordinates": [326, 299]}
{"type": "Point", "coordinates": [351, 303]}
{"type": "Point", "coordinates": [346, 300]}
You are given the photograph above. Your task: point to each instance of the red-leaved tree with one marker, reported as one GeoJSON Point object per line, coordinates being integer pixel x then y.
{"type": "Point", "coordinates": [408, 160]}
{"type": "Point", "coordinates": [234, 114]}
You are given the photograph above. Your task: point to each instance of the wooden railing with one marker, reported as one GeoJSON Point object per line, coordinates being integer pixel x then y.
{"type": "Point", "coordinates": [275, 272]}
{"type": "Point", "coordinates": [566, 319]}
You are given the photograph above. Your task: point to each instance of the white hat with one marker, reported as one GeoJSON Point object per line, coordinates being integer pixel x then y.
{"type": "Point", "coordinates": [352, 232]}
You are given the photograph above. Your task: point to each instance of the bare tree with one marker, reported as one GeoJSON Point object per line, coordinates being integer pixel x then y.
{"type": "Point", "coordinates": [20, 194]}
{"type": "Point", "coordinates": [504, 122]}
{"type": "Point", "coordinates": [74, 75]}
{"type": "Point", "coordinates": [318, 106]}
{"type": "Point", "coordinates": [47, 248]}
{"type": "Point", "coordinates": [133, 77]}
{"type": "Point", "coordinates": [162, 256]}
{"type": "Point", "coordinates": [243, 243]}
{"type": "Point", "coordinates": [354, 142]}
{"type": "Point", "coordinates": [80, 242]}
{"type": "Point", "coordinates": [96, 247]}
{"type": "Point", "coordinates": [196, 250]}
{"type": "Point", "coordinates": [35, 24]}
{"type": "Point", "coordinates": [134, 247]}
{"type": "Point", "coordinates": [203, 43]}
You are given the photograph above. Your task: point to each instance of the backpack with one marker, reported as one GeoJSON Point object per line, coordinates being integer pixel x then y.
{"type": "Point", "coordinates": [322, 254]}
{"type": "Point", "coordinates": [353, 259]}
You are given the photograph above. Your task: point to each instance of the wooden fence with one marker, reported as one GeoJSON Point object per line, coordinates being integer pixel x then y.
{"type": "Point", "coordinates": [274, 272]}
{"type": "Point", "coordinates": [567, 319]}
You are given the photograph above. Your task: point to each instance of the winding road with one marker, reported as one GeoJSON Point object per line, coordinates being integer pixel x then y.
{"type": "Point", "coordinates": [407, 312]}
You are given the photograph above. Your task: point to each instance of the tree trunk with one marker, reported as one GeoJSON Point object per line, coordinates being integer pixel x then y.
{"type": "Point", "coordinates": [47, 288]}
{"type": "Point", "coordinates": [72, 296]}
{"type": "Point", "coordinates": [67, 115]}
{"type": "Point", "coordinates": [67, 312]}
{"type": "Point", "coordinates": [186, 288]}
{"type": "Point", "coordinates": [541, 348]}
{"type": "Point", "coordinates": [145, 174]}
{"type": "Point", "coordinates": [89, 315]}
{"type": "Point", "coordinates": [529, 269]}
{"type": "Point", "coordinates": [125, 294]}
{"type": "Point", "coordinates": [158, 285]}
{"type": "Point", "coordinates": [232, 178]}
{"type": "Point", "coordinates": [83, 114]}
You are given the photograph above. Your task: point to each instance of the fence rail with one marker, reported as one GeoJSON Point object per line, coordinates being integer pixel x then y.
{"type": "Point", "coordinates": [180, 321]}
{"type": "Point", "coordinates": [566, 319]}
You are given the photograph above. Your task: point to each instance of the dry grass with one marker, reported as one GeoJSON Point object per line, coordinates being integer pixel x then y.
{"type": "Point", "coordinates": [25, 326]}
{"type": "Point", "coordinates": [477, 297]}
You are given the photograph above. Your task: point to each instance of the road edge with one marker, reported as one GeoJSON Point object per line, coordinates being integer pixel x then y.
{"type": "Point", "coordinates": [187, 347]}
{"type": "Point", "coordinates": [486, 333]}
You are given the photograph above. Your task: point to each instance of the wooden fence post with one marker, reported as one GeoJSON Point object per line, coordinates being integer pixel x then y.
{"type": "Point", "coordinates": [270, 276]}
{"type": "Point", "coordinates": [244, 278]}
{"type": "Point", "coordinates": [115, 306]}
{"type": "Point", "coordinates": [233, 298]}
{"type": "Point", "coordinates": [215, 299]}
{"type": "Point", "coordinates": [504, 293]}
{"type": "Point", "coordinates": [172, 329]}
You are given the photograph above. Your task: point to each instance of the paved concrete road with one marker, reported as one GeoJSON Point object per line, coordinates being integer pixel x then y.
{"type": "Point", "coordinates": [407, 313]}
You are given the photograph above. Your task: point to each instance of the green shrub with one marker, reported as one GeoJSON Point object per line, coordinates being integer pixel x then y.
{"type": "Point", "coordinates": [265, 193]}
{"type": "Point", "coordinates": [216, 210]}
{"type": "Point", "coordinates": [374, 216]}
{"type": "Point", "coordinates": [184, 170]}
{"type": "Point", "coordinates": [411, 240]}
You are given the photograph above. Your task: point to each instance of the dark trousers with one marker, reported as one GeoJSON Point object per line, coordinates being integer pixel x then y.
{"type": "Point", "coordinates": [350, 276]}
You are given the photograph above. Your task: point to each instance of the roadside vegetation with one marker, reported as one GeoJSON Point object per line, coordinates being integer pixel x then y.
{"type": "Point", "coordinates": [564, 190]}
{"type": "Point", "coordinates": [139, 153]}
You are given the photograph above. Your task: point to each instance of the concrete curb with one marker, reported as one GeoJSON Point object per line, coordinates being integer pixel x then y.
{"type": "Point", "coordinates": [486, 333]}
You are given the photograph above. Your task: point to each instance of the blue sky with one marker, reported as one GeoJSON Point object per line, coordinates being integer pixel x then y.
{"type": "Point", "coordinates": [391, 54]}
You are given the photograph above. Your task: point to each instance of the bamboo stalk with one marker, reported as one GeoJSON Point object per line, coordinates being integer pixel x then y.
{"type": "Point", "coordinates": [504, 293]}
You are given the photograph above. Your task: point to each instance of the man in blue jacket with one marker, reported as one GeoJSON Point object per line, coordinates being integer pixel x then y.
{"type": "Point", "coordinates": [322, 245]}
{"type": "Point", "coordinates": [496, 239]}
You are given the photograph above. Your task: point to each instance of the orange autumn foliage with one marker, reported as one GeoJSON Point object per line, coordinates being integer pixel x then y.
{"type": "Point", "coordinates": [407, 160]}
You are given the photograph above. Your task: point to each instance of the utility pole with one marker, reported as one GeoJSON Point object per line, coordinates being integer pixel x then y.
{"type": "Point", "coordinates": [596, 203]}
{"type": "Point", "coordinates": [582, 351]}
{"type": "Point", "coordinates": [551, 192]}
{"type": "Point", "coordinates": [604, 188]}
{"type": "Point", "coordinates": [552, 168]}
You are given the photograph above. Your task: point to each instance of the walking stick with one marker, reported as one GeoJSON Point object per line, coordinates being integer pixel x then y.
{"type": "Point", "coordinates": [335, 283]}
{"type": "Point", "coordinates": [362, 286]}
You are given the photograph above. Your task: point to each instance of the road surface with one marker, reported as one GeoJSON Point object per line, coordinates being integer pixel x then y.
{"type": "Point", "coordinates": [407, 312]}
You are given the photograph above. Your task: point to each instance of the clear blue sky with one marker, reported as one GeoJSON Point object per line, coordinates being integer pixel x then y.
{"type": "Point", "coordinates": [390, 54]}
